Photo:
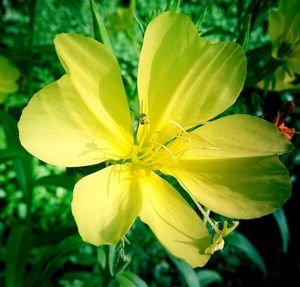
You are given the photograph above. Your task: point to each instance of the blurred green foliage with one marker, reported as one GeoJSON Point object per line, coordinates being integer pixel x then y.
{"type": "Point", "coordinates": [39, 241]}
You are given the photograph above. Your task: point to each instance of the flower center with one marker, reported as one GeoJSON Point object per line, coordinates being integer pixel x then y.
{"type": "Point", "coordinates": [153, 156]}
{"type": "Point", "coordinates": [156, 150]}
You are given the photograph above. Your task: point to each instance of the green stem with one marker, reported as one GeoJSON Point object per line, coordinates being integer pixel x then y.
{"type": "Point", "coordinates": [32, 18]}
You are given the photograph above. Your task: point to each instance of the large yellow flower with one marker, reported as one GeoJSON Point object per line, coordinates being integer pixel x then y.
{"type": "Point", "coordinates": [230, 165]}
{"type": "Point", "coordinates": [8, 77]}
{"type": "Point", "coordinates": [284, 30]}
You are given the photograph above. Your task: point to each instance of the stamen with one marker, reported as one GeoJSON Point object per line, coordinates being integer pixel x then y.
{"type": "Point", "coordinates": [150, 150]}
{"type": "Point", "coordinates": [201, 138]}
{"type": "Point", "coordinates": [145, 131]}
{"type": "Point", "coordinates": [173, 156]}
{"type": "Point", "coordinates": [181, 152]}
{"type": "Point", "coordinates": [206, 217]}
{"type": "Point", "coordinates": [122, 248]}
{"type": "Point", "coordinates": [178, 125]}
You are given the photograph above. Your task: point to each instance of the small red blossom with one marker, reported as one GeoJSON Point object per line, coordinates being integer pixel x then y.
{"type": "Point", "coordinates": [279, 117]}
{"type": "Point", "coordinates": [287, 132]}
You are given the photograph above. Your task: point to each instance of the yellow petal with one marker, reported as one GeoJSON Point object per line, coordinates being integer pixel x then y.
{"type": "Point", "coordinates": [294, 59]}
{"type": "Point", "coordinates": [281, 80]}
{"type": "Point", "coordinates": [291, 26]}
{"type": "Point", "coordinates": [105, 204]}
{"type": "Point", "coordinates": [235, 136]}
{"type": "Point", "coordinates": [8, 77]}
{"type": "Point", "coordinates": [240, 188]}
{"type": "Point", "coordinates": [183, 78]}
{"type": "Point", "coordinates": [8, 73]}
{"type": "Point", "coordinates": [173, 221]}
{"type": "Point", "coordinates": [60, 127]}
{"type": "Point", "coordinates": [276, 25]}
{"type": "Point", "coordinates": [95, 74]}
{"type": "Point", "coordinates": [8, 87]}
{"type": "Point", "coordinates": [83, 118]}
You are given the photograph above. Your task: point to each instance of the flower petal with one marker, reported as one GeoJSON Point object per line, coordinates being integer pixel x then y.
{"type": "Point", "coordinates": [173, 221]}
{"type": "Point", "coordinates": [280, 81]}
{"type": "Point", "coordinates": [8, 77]}
{"type": "Point", "coordinates": [8, 73]}
{"type": "Point", "coordinates": [240, 188]}
{"type": "Point", "coordinates": [83, 118]}
{"type": "Point", "coordinates": [8, 87]}
{"type": "Point", "coordinates": [236, 136]}
{"type": "Point", "coordinates": [294, 59]}
{"type": "Point", "coordinates": [59, 127]}
{"type": "Point", "coordinates": [276, 25]}
{"type": "Point", "coordinates": [183, 78]}
{"type": "Point", "coordinates": [105, 204]}
{"type": "Point", "coordinates": [95, 74]}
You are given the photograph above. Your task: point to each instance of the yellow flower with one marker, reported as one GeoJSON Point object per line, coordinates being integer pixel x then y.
{"type": "Point", "coordinates": [8, 77]}
{"type": "Point", "coordinates": [284, 30]}
{"type": "Point", "coordinates": [230, 165]}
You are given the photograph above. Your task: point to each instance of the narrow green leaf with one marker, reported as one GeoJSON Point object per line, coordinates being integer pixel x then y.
{"type": "Point", "coordinates": [17, 251]}
{"type": "Point", "coordinates": [63, 248]}
{"type": "Point", "coordinates": [174, 5]}
{"type": "Point", "coordinates": [132, 5]}
{"type": "Point", "coordinates": [9, 154]}
{"type": "Point", "coordinates": [140, 23]}
{"type": "Point", "coordinates": [22, 166]}
{"type": "Point", "coordinates": [10, 129]}
{"type": "Point", "coordinates": [100, 31]}
{"type": "Point", "coordinates": [61, 180]}
{"type": "Point", "coordinates": [101, 257]}
{"type": "Point", "coordinates": [200, 19]}
{"type": "Point", "coordinates": [187, 271]}
{"type": "Point", "coordinates": [129, 279]}
{"type": "Point", "coordinates": [283, 226]}
{"type": "Point", "coordinates": [112, 258]}
{"type": "Point", "coordinates": [242, 243]}
{"type": "Point", "coordinates": [245, 32]}
{"type": "Point", "coordinates": [208, 276]}
{"type": "Point", "coordinates": [54, 236]}
{"type": "Point", "coordinates": [52, 260]}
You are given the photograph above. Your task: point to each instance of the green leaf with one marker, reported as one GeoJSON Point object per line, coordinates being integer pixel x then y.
{"type": "Point", "coordinates": [54, 236]}
{"type": "Point", "coordinates": [245, 32]}
{"type": "Point", "coordinates": [52, 260]}
{"type": "Point", "coordinates": [10, 129]}
{"type": "Point", "coordinates": [17, 251]}
{"type": "Point", "coordinates": [10, 153]}
{"type": "Point", "coordinates": [22, 166]}
{"type": "Point", "coordinates": [129, 279]}
{"type": "Point", "coordinates": [174, 5]}
{"type": "Point", "coordinates": [208, 276]}
{"type": "Point", "coordinates": [200, 19]}
{"type": "Point", "coordinates": [283, 226]}
{"type": "Point", "coordinates": [112, 258]}
{"type": "Point", "coordinates": [100, 31]}
{"type": "Point", "coordinates": [187, 271]}
{"type": "Point", "coordinates": [101, 257]}
{"type": "Point", "coordinates": [61, 180]}
{"type": "Point", "coordinates": [242, 243]}
{"type": "Point", "coordinates": [116, 263]}
{"type": "Point", "coordinates": [140, 23]}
